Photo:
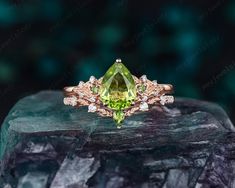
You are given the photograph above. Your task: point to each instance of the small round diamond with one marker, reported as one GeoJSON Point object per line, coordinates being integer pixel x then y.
{"type": "Point", "coordinates": [92, 79]}
{"type": "Point", "coordinates": [145, 98]}
{"type": "Point", "coordinates": [166, 99]}
{"type": "Point", "coordinates": [81, 83]}
{"type": "Point", "coordinates": [118, 60]}
{"type": "Point", "coordinates": [155, 82]}
{"type": "Point", "coordinates": [163, 100]}
{"type": "Point", "coordinates": [156, 93]}
{"type": "Point", "coordinates": [143, 78]}
{"type": "Point", "coordinates": [81, 95]}
{"type": "Point", "coordinates": [144, 106]}
{"type": "Point", "coordinates": [92, 99]}
{"type": "Point", "coordinates": [70, 101]}
{"type": "Point", "coordinates": [92, 108]}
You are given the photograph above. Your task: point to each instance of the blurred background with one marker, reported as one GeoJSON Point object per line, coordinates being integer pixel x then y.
{"type": "Point", "coordinates": [55, 43]}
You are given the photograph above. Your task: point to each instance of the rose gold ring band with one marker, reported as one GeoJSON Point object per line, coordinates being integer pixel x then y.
{"type": "Point", "coordinates": [166, 89]}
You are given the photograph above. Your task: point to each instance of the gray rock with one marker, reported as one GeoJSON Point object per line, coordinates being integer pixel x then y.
{"type": "Point", "coordinates": [34, 180]}
{"type": "Point", "coordinates": [177, 178]}
{"type": "Point", "coordinates": [47, 144]}
{"type": "Point", "coordinates": [115, 182]}
{"type": "Point", "coordinates": [75, 172]}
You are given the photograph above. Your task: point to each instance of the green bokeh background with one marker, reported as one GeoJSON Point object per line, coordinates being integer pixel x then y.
{"type": "Point", "coordinates": [54, 43]}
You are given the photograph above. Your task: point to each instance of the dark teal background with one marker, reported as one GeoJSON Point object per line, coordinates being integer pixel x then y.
{"type": "Point", "coordinates": [49, 44]}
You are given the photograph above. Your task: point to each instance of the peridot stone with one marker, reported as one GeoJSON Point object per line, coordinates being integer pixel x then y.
{"type": "Point", "coordinates": [142, 88]}
{"type": "Point", "coordinates": [118, 116]}
{"type": "Point", "coordinates": [94, 89]}
{"type": "Point", "coordinates": [118, 90]}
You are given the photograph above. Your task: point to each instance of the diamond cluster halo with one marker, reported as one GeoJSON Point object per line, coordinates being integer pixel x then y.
{"type": "Point", "coordinates": [118, 94]}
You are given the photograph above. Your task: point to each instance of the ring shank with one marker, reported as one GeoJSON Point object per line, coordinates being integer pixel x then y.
{"type": "Point", "coordinates": [68, 91]}
{"type": "Point", "coordinates": [167, 89]}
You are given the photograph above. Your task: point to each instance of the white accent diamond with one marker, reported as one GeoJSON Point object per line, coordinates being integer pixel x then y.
{"type": "Point", "coordinates": [92, 108]}
{"type": "Point", "coordinates": [92, 99]}
{"type": "Point", "coordinates": [118, 60]}
{"type": "Point", "coordinates": [145, 98]}
{"type": "Point", "coordinates": [155, 82]}
{"type": "Point", "coordinates": [166, 99]}
{"type": "Point", "coordinates": [143, 78]}
{"type": "Point", "coordinates": [92, 79]}
{"type": "Point", "coordinates": [70, 101]}
{"type": "Point", "coordinates": [156, 93]}
{"type": "Point", "coordinates": [81, 95]}
{"type": "Point", "coordinates": [144, 106]}
{"type": "Point", "coordinates": [81, 83]}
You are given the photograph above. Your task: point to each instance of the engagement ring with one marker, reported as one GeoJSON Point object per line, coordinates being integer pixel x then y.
{"type": "Point", "coordinates": [118, 93]}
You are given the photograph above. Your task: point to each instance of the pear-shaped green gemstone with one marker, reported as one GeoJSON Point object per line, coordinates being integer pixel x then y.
{"type": "Point", "coordinates": [118, 89]}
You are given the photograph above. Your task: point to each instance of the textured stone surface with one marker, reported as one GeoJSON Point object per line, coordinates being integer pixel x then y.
{"type": "Point", "coordinates": [46, 144]}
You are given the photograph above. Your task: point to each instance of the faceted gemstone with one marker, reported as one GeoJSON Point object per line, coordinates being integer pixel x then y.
{"type": "Point", "coordinates": [143, 78]}
{"type": "Point", "coordinates": [94, 89]}
{"type": "Point", "coordinates": [142, 88]}
{"type": "Point", "coordinates": [155, 82]}
{"type": "Point", "coordinates": [92, 108]}
{"type": "Point", "coordinates": [118, 116]}
{"type": "Point", "coordinates": [118, 89]}
{"type": "Point", "coordinates": [70, 101]}
{"type": "Point", "coordinates": [145, 98]}
{"type": "Point", "coordinates": [92, 99]}
{"type": "Point", "coordinates": [92, 79]}
{"type": "Point", "coordinates": [81, 83]}
{"type": "Point", "coordinates": [144, 106]}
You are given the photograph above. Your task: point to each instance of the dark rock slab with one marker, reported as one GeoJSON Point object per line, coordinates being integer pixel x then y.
{"type": "Point", "coordinates": [46, 144]}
